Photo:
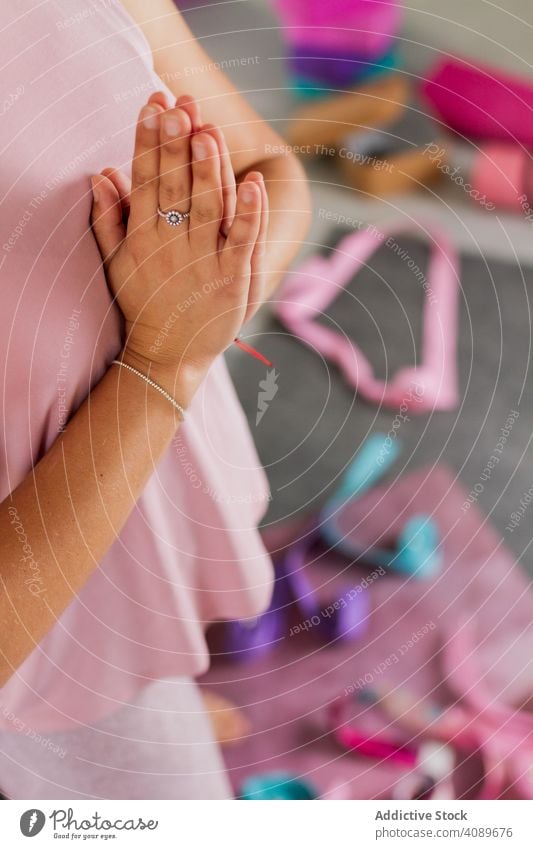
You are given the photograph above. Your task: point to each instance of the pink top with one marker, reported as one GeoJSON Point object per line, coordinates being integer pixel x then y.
{"type": "Point", "coordinates": [76, 75]}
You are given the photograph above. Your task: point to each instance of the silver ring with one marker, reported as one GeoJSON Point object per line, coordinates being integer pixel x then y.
{"type": "Point", "coordinates": [174, 217]}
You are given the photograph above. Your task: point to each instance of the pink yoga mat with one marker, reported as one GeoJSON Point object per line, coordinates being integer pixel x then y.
{"type": "Point", "coordinates": [285, 694]}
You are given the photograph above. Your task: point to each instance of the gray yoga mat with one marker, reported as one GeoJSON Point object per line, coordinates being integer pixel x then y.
{"type": "Point", "coordinates": [313, 424]}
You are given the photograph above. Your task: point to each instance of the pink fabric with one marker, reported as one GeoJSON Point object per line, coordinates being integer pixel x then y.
{"type": "Point", "coordinates": [307, 292]}
{"type": "Point", "coordinates": [77, 76]}
{"type": "Point", "coordinates": [465, 635]}
{"type": "Point", "coordinates": [158, 746]}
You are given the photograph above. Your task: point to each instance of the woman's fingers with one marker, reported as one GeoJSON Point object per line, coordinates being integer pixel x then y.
{"type": "Point", "coordinates": [258, 277]}
{"type": "Point", "coordinates": [106, 216]}
{"type": "Point", "coordinates": [244, 231]}
{"type": "Point", "coordinates": [175, 181]}
{"type": "Point", "coordinates": [122, 184]}
{"type": "Point", "coordinates": [160, 98]}
{"type": "Point", "coordinates": [228, 177]}
{"type": "Point", "coordinates": [191, 106]}
{"type": "Point", "coordinates": [145, 170]}
{"type": "Point", "coordinates": [229, 188]}
{"type": "Point", "coordinates": [207, 203]}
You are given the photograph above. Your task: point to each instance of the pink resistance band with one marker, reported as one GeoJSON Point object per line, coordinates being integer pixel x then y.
{"type": "Point", "coordinates": [308, 291]}
{"type": "Point", "coordinates": [505, 733]}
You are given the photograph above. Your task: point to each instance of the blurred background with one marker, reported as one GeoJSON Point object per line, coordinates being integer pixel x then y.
{"type": "Point", "coordinates": [299, 427]}
{"type": "Point", "coordinates": [424, 113]}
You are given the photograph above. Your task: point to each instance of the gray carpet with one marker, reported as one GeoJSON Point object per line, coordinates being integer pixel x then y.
{"type": "Point", "coordinates": [312, 427]}
{"type": "Point", "coordinates": [314, 423]}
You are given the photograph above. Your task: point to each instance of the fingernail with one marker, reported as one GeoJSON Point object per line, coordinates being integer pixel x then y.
{"type": "Point", "coordinates": [247, 193]}
{"type": "Point", "coordinates": [96, 191]}
{"type": "Point", "coordinates": [172, 126]}
{"type": "Point", "coordinates": [149, 116]}
{"type": "Point", "coordinates": [199, 148]}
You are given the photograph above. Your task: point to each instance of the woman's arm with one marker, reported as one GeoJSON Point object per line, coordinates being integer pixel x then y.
{"type": "Point", "coordinates": [58, 523]}
{"type": "Point", "coordinates": [252, 143]}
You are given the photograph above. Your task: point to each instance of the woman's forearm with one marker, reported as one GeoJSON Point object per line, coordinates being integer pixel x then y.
{"type": "Point", "coordinates": [59, 522]}
{"type": "Point", "coordinates": [289, 213]}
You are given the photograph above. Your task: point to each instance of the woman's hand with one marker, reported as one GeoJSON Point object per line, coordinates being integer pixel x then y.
{"type": "Point", "coordinates": [184, 291]}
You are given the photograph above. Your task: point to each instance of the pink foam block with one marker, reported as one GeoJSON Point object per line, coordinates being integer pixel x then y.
{"type": "Point", "coordinates": [481, 101]}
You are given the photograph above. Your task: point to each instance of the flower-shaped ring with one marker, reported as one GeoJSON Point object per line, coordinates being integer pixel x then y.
{"type": "Point", "coordinates": [174, 217]}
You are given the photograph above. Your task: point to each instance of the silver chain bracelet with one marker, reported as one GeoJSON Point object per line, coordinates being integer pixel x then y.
{"type": "Point", "coordinates": [155, 385]}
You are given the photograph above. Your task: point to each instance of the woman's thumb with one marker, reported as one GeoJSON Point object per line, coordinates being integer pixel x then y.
{"type": "Point", "coordinates": [106, 216]}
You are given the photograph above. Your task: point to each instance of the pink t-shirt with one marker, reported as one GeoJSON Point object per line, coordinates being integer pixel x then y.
{"type": "Point", "coordinates": [76, 75]}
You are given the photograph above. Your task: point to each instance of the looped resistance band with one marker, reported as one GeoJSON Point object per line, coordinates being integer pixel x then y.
{"type": "Point", "coordinates": [311, 288]}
